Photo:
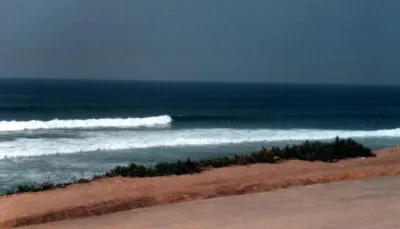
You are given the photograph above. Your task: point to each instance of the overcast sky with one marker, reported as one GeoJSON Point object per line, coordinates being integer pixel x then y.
{"type": "Point", "coordinates": [312, 41]}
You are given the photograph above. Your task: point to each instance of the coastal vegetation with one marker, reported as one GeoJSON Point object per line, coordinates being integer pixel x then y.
{"type": "Point", "coordinates": [329, 152]}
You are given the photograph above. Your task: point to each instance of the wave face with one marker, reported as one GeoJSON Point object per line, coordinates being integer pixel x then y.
{"type": "Point", "coordinates": [206, 118]}
{"type": "Point", "coordinates": [89, 141]}
{"type": "Point", "coordinates": [85, 123]}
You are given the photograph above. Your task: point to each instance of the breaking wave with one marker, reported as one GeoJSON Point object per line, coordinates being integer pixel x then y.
{"type": "Point", "coordinates": [131, 139]}
{"type": "Point", "coordinates": [85, 123]}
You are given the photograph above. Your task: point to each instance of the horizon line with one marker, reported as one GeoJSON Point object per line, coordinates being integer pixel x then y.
{"type": "Point", "coordinates": [203, 81]}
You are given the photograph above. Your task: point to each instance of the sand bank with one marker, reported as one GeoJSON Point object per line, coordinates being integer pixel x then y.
{"type": "Point", "coordinates": [366, 204]}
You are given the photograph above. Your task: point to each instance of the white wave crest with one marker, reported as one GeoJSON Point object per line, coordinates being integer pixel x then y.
{"type": "Point", "coordinates": [127, 140]}
{"type": "Point", "coordinates": [85, 124]}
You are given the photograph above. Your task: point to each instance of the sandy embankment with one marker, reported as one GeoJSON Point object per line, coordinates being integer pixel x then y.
{"type": "Point", "coordinates": [118, 194]}
{"type": "Point", "coordinates": [366, 204]}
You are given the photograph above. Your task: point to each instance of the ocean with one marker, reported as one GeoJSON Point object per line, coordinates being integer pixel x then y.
{"type": "Point", "coordinates": [58, 130]}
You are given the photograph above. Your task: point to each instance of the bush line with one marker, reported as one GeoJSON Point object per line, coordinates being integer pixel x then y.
{"type": "Point", "coordinates": [308, 151]}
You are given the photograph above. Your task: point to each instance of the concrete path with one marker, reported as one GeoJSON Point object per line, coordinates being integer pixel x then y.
{"type": "Point", "coordinates": [368, 204]}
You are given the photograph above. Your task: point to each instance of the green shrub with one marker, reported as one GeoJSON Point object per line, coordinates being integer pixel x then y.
{"type": "Point", "coordinates": [34, 187]}
{"type": "Point", "coordinates": [216, 162]}
{"type": "Point", "coordinates": [325, 151]}
{"type": "Point", "coordinates": [161, 169]}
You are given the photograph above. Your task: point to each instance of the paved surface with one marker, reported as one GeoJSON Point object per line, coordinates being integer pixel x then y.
{"type": "Point", "coordinates": [368, 204]}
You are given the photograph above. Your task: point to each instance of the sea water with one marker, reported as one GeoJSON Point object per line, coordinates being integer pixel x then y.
{"type": "Point", "coordinates": [59, 130]}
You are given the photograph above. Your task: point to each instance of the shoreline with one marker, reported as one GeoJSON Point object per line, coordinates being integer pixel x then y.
{"type": "Point", "coordinates": [332, 151]}
{"type": "Point", "coordinates": [109, 195]}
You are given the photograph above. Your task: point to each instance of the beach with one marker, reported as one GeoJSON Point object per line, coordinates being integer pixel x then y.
{"type": "Point", "coordinates": [53, 135]}
{"type": "Point", "coordinates": [48, 134]}
{"type": "Point", "coordinates": [199, 114]}
{"type": "Point", "coordinates": [116, 194]}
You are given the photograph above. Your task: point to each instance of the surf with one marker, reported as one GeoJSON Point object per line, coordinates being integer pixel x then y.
{"type": "Point", "coordinates": [99, 141]}
{"type": "Point", "coordinates": [85, 123]}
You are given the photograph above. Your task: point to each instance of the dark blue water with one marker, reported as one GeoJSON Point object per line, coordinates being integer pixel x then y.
{"type": "Point", "coordinates": [268, 105]}
{"type": "Point", "coordinates": [51, 129]}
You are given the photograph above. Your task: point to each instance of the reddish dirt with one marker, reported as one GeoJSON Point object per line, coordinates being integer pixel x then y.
{"type": "Point", "coordinates": [118, 194]}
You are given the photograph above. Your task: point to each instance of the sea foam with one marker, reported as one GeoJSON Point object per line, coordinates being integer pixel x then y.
{"type": "Point", "coordinates": [85, 123]}
{"type": "Point", "coordinates": [91, 141]}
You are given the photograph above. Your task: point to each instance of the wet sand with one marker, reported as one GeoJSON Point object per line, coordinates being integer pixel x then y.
{"type": "Point", "coordinates": [119, 194]}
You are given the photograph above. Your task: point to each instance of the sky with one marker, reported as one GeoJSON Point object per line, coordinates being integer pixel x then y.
{"type": "Point", "coordinates": [293, 41]}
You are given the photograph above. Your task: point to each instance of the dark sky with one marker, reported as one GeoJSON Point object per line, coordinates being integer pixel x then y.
{"type": "Point", "coordinates": [312, 41]}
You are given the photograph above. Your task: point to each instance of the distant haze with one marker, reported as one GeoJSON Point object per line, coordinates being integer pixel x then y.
{"type": "Point", "coordinates": [311, 41]}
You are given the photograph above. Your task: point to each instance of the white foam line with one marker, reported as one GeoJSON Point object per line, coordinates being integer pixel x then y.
{"type": "Point", "coordinates": [85, 124]}
{"type": "Point", "coordinates": [126, 140]}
